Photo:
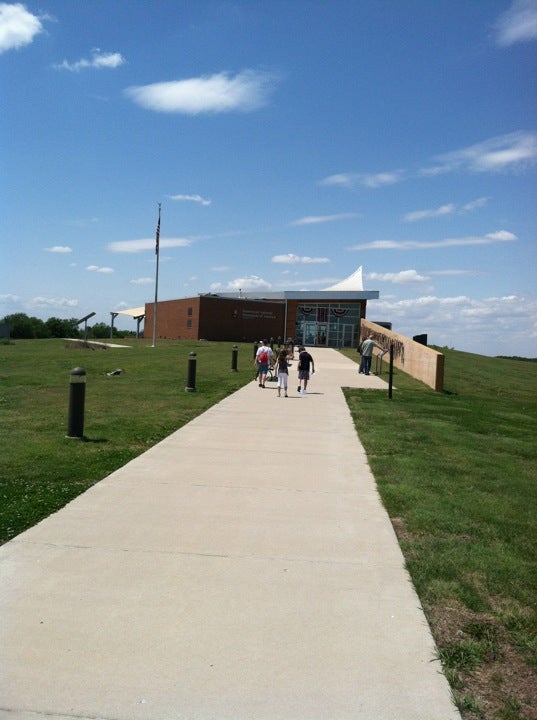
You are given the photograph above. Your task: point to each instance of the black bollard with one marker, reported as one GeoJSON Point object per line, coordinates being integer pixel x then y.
{"type": "Point", "coordinates": [77, 396]}
{"type": "Point", "coordinates": [191, 382]}
{"type": "Point", "coordinates": [234, 356]}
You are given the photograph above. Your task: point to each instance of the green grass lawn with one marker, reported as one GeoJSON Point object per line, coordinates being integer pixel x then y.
{"type": "Point", "coordinates": [457, 472]}
{"type": "Point", "coordinates": [41, 470]}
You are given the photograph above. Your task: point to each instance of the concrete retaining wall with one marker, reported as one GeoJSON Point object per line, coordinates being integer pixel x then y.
{"type": "Point", "coordinates": [420, 361]}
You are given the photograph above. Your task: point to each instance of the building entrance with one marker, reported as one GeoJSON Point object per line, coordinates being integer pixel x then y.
{"type": "Point", "coordinates": [328, 324]}
{"type": "Point", "coordinates": [334, 334]}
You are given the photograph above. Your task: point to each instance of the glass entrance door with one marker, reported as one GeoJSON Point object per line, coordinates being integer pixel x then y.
{"type": "Point", "coordinates": [308, 337]}
{"type": "Point", "coordinates": [321, 337]}
{"type": "Point", "coordinates": [325, 334]}
{"type": "Point", "coordinates": [347, 332]}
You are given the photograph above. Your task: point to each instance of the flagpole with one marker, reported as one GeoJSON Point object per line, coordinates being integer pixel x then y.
{"type": "Point", "coordinates": [157, 248]}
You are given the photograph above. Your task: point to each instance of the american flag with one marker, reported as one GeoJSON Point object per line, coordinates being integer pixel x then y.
{"type": "Point", "coordinates": [158, 236]}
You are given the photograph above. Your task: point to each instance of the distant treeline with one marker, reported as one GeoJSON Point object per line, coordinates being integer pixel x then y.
{"type": "Point", "coordinates": [24, 327]}
{"type": "Point", "coordinates": [516, 357]}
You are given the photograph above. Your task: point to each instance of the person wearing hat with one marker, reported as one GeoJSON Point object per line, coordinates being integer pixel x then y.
{"type": "Point", "coordinates": [263, 358]}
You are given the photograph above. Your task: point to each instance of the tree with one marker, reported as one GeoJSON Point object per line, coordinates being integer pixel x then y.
{"type": "Point", "coordinates": [59, 328]}
{"type": "Point", "coordinates": [100, 330]}
{"type": "Point", "coordinates": [22, 326]}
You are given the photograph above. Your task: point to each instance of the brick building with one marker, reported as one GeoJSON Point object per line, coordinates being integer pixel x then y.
{"type": "Point", "coordinates": [329, 318]}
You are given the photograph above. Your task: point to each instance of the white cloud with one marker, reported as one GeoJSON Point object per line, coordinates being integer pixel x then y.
{"type": "Point", "coordinates": [501, 236]}
{"type": "Point", "coordinates": [50, 302]}
{"type": "Point", "coordinates": [448, 209]}
{"type": "Point", "coordinates": [375, 180]}
{"type": "Point", "coordinates": [97, 61]}
{"type": "Point", "coordinates": [317, 219]}
{"type": "Point", "coordinates": [513, 151]}
{"type": "Point", "coordinates": [59, 249]}
{"type": "Point", "coordinates": [220, 268]}
{"type": "Point", "coordinates": [253, 282]}
{"type": "Point", "coordinates": [518, 24]}
{"type": "Point", "coordinates": [223, 92]}
{"type": "Point", "coordinates": [404, 277]}
{"type": "Point", "coordinates": [96, 268]}
{"type": "Point", "coordinates": [503, 152]}
{"type": "Point", "coordinates": [422, 214]}
{"type": "Point", "coordinates": [497, 325]}
{"type": "Point", "coordinates": [475, 204]}
{"type": "Point", "coordinates": [142, 281]}
{"type": "Point", "coordinates": [381, 179]}
{"type": "Point", "coordinates": [191, 198]}
{"type": "Point", "coordinates": [9, 298]}
{"type": "Point", "coordinates": [136, 246]}
{"type": "Point", "coordinates": [488, 239]}
{"type": "Point", "coordinates": [290, 259]}
{"type": "Point", "coordinates": [18, 27]}
{"type": "Point", "coordinates": [340, 179]}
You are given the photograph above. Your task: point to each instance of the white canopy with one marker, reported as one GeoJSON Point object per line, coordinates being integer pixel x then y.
{"type": "Point", "coordinates": [133, 312]}
{"type": "Point", "coordinates": [353, 283]}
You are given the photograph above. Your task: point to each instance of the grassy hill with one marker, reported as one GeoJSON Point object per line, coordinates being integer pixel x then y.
{"type": "Point", "coordinates": [457, 472]}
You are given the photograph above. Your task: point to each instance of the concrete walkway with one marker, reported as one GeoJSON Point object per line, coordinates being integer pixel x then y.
{"type": "Point", "coordinates": [242, 569]}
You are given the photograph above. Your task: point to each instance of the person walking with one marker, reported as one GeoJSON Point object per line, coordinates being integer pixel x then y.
{"type": "Point", "coordinates": [304, 362]}
{"type": "Point", "coordinates": [282, 370]}
{"type": "Point", "coordinates": [367, 353]}
{"type": "Point", "coordinates": [263, 358]}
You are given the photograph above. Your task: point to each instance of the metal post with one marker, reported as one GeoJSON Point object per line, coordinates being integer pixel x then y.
{"type": "Point", "coordinates": [77, 396]}
{"type": "Point", "coordinates": [234, 356]}
{"type": "Point", "coordinates": [256, 347]}
{"type": "Point", "coordinates": [390, 383]}
{"type": "Point", "coordinates": [155, 304]}
{"type": "Point", "coordinates": [191, 382]}
{"type": "Point", "coordinates": [113, 316]}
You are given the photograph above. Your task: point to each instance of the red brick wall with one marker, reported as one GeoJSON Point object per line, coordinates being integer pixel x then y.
{"type": "Point", "coordinates": [216, 319]}
{"type": "Point", "coordinates": [240, 320]}
{"type": "Point", "coordinates": [172, 319]}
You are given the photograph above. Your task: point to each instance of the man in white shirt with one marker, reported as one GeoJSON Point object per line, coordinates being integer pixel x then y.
{"type": "Point", "coordinates": [263, 358]}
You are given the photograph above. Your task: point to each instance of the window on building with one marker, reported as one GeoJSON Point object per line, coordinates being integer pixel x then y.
{"type": "Point", "coordinates": [189, 312]}
{"type": "Point", "coordinates": [189, 323]}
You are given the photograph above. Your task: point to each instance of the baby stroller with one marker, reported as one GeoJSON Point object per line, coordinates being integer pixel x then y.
{"type": "Point", "coordinates": [271, 375]}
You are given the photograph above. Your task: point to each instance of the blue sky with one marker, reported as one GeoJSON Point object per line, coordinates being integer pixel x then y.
{"type": "Point", "coordinates": [288, 143]}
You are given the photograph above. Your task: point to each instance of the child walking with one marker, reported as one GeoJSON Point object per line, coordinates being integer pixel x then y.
{"type": "Point", "coordinates": [282, 368]}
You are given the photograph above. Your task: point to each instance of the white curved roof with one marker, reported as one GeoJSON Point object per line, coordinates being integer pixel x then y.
{"type": "Point", "coordinates": [133, 312]}
{"type": "Point", "coordinates": [353, 283]}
